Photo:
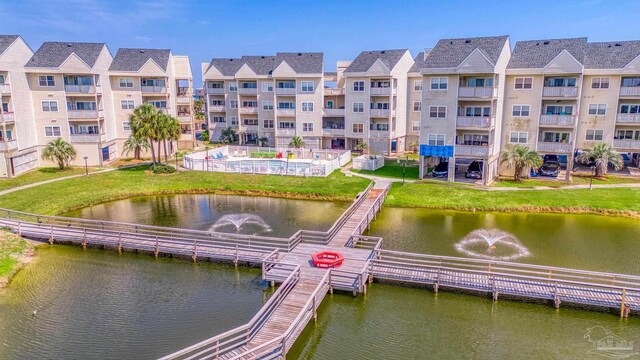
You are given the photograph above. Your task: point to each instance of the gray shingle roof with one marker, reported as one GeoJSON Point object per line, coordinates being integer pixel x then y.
{"type": "Point", "coordinates": [134, 59]}
{"type": "Point", "coordinates": [53, 54]}
{"type": "Point", "coordinates": [536, 54]}
{"type": "Point", "coordinates": [419, 61]}
{"type": "Point", "coordinates": [450, 53]}
{"type": "Point", "coordinates": [5, 41]}
{"type": "Point", "coordinates": [611, 55]}
{"type": "Point", "coordinates": [301, 63]}
{"type": "Point", "coordinates": [363, 62]}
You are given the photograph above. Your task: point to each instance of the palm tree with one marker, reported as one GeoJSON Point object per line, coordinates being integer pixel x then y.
{"type": "Point", "coordinates": [136, 145]}
{"type": "Point", "coordinates": [144, 121]}
{"type": "Point", "coordinates": [414, 145]}
{"type": "Point", "coordinates": [60, 152]}
{"type": "Point", "coordinates": [602, 154]}
{"type": "Point", "coordinates": [361, 146]}
{"type": "Point", "coordinates": [174, 130]}
{"type": "Point", "coordinates": [520, 157]}
{"type": "Point", "coordinates": [204, 136]}
{"type": "Point", "coordinates": [263, 141]}
{"type": "Point", "coordinates": [228, 136]}
{"type": "Point", "coordinates": [297, 142]}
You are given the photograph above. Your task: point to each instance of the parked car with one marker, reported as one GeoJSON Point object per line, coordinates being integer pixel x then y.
{"type": "Point", "coordinates": [474, 171]}
{"type": "Point", "coordinates": [550, 168]}
{"type": "Point", "coordinates": [441, 170]}
{"type": "Point", "coordinates": [550, 157]}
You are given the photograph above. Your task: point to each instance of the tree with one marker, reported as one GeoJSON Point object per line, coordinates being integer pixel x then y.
{"type": "Point", "coordinates": [297, 142]}
{"type": "Point", "coordinates": [228, 136]}
{"type": "Point", "coordinates": [204, 136]}
{"type": "Point", "coordinates": [602, 155]}
{"type": "Point", "coordinates": [198, 106]}
{"type": "Point", "coordinates": [136, 145]}
{"type": "Point", "coordinates": [263, 141]}
{"type": "Point", "coordinates": [414, 145]}
{"type": "Point", "coordinates": [59, 151]}
{"type": "Point", "coordinates": [144, 125]}
{"type": "Point", "coordinates": [361, 146]}
{"type": "Point", "coordinates": [520, 157]}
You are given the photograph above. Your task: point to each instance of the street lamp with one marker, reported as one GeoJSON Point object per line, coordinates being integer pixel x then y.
{"type": "Point", "coordinates": [86, 166]}
{"type": "Point", "coordinates": [593, 170]}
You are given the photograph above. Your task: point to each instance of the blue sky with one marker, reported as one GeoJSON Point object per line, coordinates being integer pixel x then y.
{"type": "Point", "coordinates": [340, 29]}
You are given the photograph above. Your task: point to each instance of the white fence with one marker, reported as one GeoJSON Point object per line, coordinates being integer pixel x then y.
{"type": "Point", "coordinates": [292, 162]}
{"type": "Point", "coordinates": [367, 162]}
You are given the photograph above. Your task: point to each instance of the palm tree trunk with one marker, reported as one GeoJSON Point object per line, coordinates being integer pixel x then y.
{"type": "Point", "coordinates": [518, 171]}
{"type": "Point", "coordinates": [166, 157]}
{"type": "Point", "coordinates": [599, 170]}
{"type": "Point", "coordinates": [136, 153]}
{"type": "Point", "coordinates": [153, 154]}
{"type": "Point", "coordinates": [159, 152]}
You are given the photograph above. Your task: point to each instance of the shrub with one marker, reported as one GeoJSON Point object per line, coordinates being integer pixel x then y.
{"type": "Point", "coordinates": [262, 154]}
{"type": "Point", "coordinates": [163, 169]}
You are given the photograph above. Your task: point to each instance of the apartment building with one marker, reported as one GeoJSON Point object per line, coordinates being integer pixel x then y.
{"type": "Point", "coordinates": [69, 88]}
{"type": "Point", "coordinates": [414, 98]}
{"type": "Point", "coordinates": [156, 77]}
{"type": "Point", "coordinates": [271, 98]}
{"type": "Point", "coordinates": [462, 80]}
{"type": "Point", "coordinates": [18, 150]}
{"type": "Point", "coordinates": [334, 134]}
{"type": "Point", "coordinates": [376, 98]}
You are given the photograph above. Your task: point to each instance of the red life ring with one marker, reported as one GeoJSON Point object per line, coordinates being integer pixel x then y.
{"type": "Point", "coordinates": [327, 259]}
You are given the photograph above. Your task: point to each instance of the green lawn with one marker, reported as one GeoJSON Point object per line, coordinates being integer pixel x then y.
{"type": "Point", "coordinates": [40, 174]}
{"type": "Point", "coordinates": [11, 246]}
{"type": "Point", "coordinates": [576, 180]}
{"type": "Point", "coordinates": [79, 192]}
{"type": "Point", "coordinates": [392, 169]}
{"type": "Point", "coordinates": [624, 201]}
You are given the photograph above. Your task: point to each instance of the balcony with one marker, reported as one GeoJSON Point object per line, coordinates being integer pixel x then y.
{"type": "Point", "coordinates": [5, 89]}
{"type": "Point", "coordinates": [379, 134]}
{"type": "Point", "coordinates": [216, 108]}
{"type": "Point", "coordinates": [154, 89]}
{"type": "Point", "coordinates": [286, 112]}
{"type": "Point", "coordinates": [379, 113]}
{"type": "Point", "coordinates": [248, 91]}
{"type": "Point", "coordinates": [333, 92]}
{"type": "Point", "coordinates": [631, 119]}
{"type": "Point", "coordinates": [184, 118]}
{"type": "Point", "coordinates": [82, 114]}
{"type": "Point", "coordinates": [8, 145]}
{"type": "Point", "coordinates": [472, 150]}
{"type": "Point", "coordinates": [248, 110]}
{"type": "Point", "coordinates": [333, 112]}
{"type": "Point", "coordinates": [555, 147]}
{"type": "Point", "coordinates": [626, 144]}
{"type": "Point", "coordinates": [558, 120]}
{"type": "Point", "coordinates": [333, 132]}
{"type": "Point", "coordinates": [86, 138]}
{"type": "Point", "coordinates": [7, 117]}
{"type": "Point", "coordinates": [215, 91]}
{"type": "Point", "coordinates": [630, 91]}
{"type": "Point", "coordinates": [285, 91]}
{"type": "Point", "coordinates": [183, 99]}
{"type": "Point", "coordinates": [560, 91]}
{"type": "Point", "coordinates": [477, 122]}
{"type": "Point", "coordinates": [286, 132]}
{"type": "Point", "coordinates": [475, 92]}
{"type": "Point", "coordinates": [381, 91]}
{"type": "Point", "coordinates": [80, 89]}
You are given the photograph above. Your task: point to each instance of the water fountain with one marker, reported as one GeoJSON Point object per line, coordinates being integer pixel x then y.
{"type": "Point", "coordinates": [493, 244]}
{"type": "Point", "coordinates": [238, 221]}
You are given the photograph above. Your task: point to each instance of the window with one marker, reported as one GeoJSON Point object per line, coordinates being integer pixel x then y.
{"type": "Point", "coordinates": [600, 83]}
{"type": "Point", "coordinates": [215, 102]}
{"type": "Point", "coordinates": [286, 105]}
{"type": "Point", "coordinates": [520, 110]}
{"type": "Point", "coordinates": [475, 139]}
{"type": "Point", "coordinates": [233, 104]}
{"type": "Point", "coordinates": [215, 85]}
{"type": "Point", "coordinates": [630, 109]}
{"type": "Point", "coordinates": [358, 107]}
{"type": "Point", "coordinates": [415, 125]}
{"type": "Point", "coordinates": [435, 139]}
{"type": "Point", "coordinates": [524, 83]}
{"type": "Point", "coordinates": [437, 112]}
{"type": "Point", "coordinates": [358, 128]}
{"type": "Point", "coordinates": [218, 119]}
{"type": "Point", "coordinates": [481, 111]}
{"type": "Point", "coordinates": [234, 120]}
{"type": "Point", "coordinates": [127, 104]}
{"type": "Point", "coordinates": [5, 107]}
{"type": "Point", "coordinates": [249, 104]}
{"type": "Point", "coordinates": [153, 82]}
{"type": "Point", "coordinates": [307, 86]}
{"type": "Point", "coordinates": [250, 122]}
{"type": "Point", "coordinates": [286, 85]}
{"type": "Point", "coordinates": [249, 85]}
{"type": "Point", "coordinates": [267, 86]}
{"type": "Point", "coordinates": [380, 105]}
{"type": "Point", "coordinates": [267, 124]}
{"type": "Point", "coordinates": [125, 82]}
{"type": "Point", "coordinates": [417, 106]}
{"type": "Point", "coordinates": [233, 86]}
{"type": "Point", "coordinates": [594, 135]}
{"type": "Point", "coordinates": [126, 126]}
{"type": "Point", "coordinates": [46, 80]}
{"type": "Point", "coordinates": [518, 137]}
{"type": "Point", "coordinates": [628, 135]}
{"type": "Point", "coordinates": [49, 106]}
{"type": "Point", "coordinates": [81, 105]}
{"type": "Point", "coordinates": [307, 107]}
{"type": "Point", "coordinates": [631, 82]}
{"type": "Point", "coordinates": [358, 86]}
{"type": "Point", "coordinates": [267, 105]}
{"type": "Point", "coordinates": [559, 110]}
{"type": "Point", "coordinates": [379, 127]}
{"type": "Point", "coordinates": [560, 82]}
{"type": "Point", "coordinates": [307, 126]}
{"type": "Point", "coordinates": [438, 83]}
{"type": "Point", "coordinates": [417, 85]}
{"type": "Point", "coordinates": [51, 131]}
{"type": "Point", "coordinates": [158, 104]}
{"type": "Point", "coordinates": [2, 79]}
{"type": "Point", "coordinates": [597, 109]}
{"type": "Point", "coordinates": [480, 82]}
{"type": "Point", "coordinates": [286, 125]}
{"type": "Point", "coordinates": [556, 137]}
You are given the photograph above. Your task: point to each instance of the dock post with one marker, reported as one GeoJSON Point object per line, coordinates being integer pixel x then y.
{"type": "Point", "coordinates": [315, 313]}
{"type": "Point", "coordinates": [235, 261]}
{"type": "Point", "coordinates": [19, 229]}
{"type": "Point", "coordinates": [622, 305]}
{"type": "Point", "coordinates": [155, 252]}
{"type": "Point", "coordinates": [195, 250]}
{"type": "Point", "coordinates": [84, 238]}
{"type": "Point", "coordinates": [435, 287]}
{"type": "Point", "coordinates": [556, 302]}
{"type": "Point", "coordinates": [330, 286]}
{"type": "Point", "coordinates": [51, 234]}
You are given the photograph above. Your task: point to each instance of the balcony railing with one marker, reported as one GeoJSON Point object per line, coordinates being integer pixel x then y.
{"type": "Point", "coordinates": [184, 118]}
{"type": "Point", "coordinates": [633, 119]}
{"type": "Point", "coordinates": [285, 91]}
{"type": "Point", "coordinates": [558, 120]}
{"type": "Point", "coordinates": [183, 99]}
{"type": "Point", "coordinates": [333, 112]}
{"type": "Point", "coordinates": [248, 91]}
{"type": "Point", "coordinates": [286, 132]}
{"type": "Point", "coordinates": [8, 145]}
{"type": "Point", "coordinates": [333, 132]}
{"type": "Point", "coordinates": [630, 91]}
{"type": "Point", "coordinates": [383, 91]}
{"type": "Point", "coordinates": [86, 138]}
{"type": "Point", "coordinates": [333, 92]}
{"type": "Point", "coordinates": [379, 133]}
{"type": "Point", "coordinates": [626, 144]}
{"type": "Point", "coordinates": [7, 117]}
{"type": "Point", "coordinates": [472, 150]}
{"type": "Point", "coordinates": [5, 88]}
{"type": "Point", "coordinates": [555, 147]}
{"type": "Point", "coordinates": [379, 113]}
{"type": "Point", "coordinates": [154, 89]}
{"type": "Point", "coordinates": [216, 108]}
{"type": "Point", "coordinates": [477, 92]}
{"type": "Point", "coordinates": [286, 112]}
{"type": "Point", "coordinates": [82, 114]}
{"type": "Point", "coordinates": [80, 89]}
{"type": "Point", "coordinates": [248, 110]}
{"type": "Point", "coordinates": [483, 122]}
{"type": "Point", "coordinates": [215, 91]}
{"type": "Point", "coordinates": [560, 91]}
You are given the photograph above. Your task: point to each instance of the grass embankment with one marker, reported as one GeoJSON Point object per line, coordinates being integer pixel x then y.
{"type": "Point", "coordinates": [14, 252]}
{"type": "Point", "coordinates": [575, 180]}
{"type": "Point", "coordinates": [41, 174]}
{"type": "Point", "coordinates": [617, 201]}
{"type": "Point", "coordinates": [66, 195]}
{"type": "Point", "coordinates": [393, 169]}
